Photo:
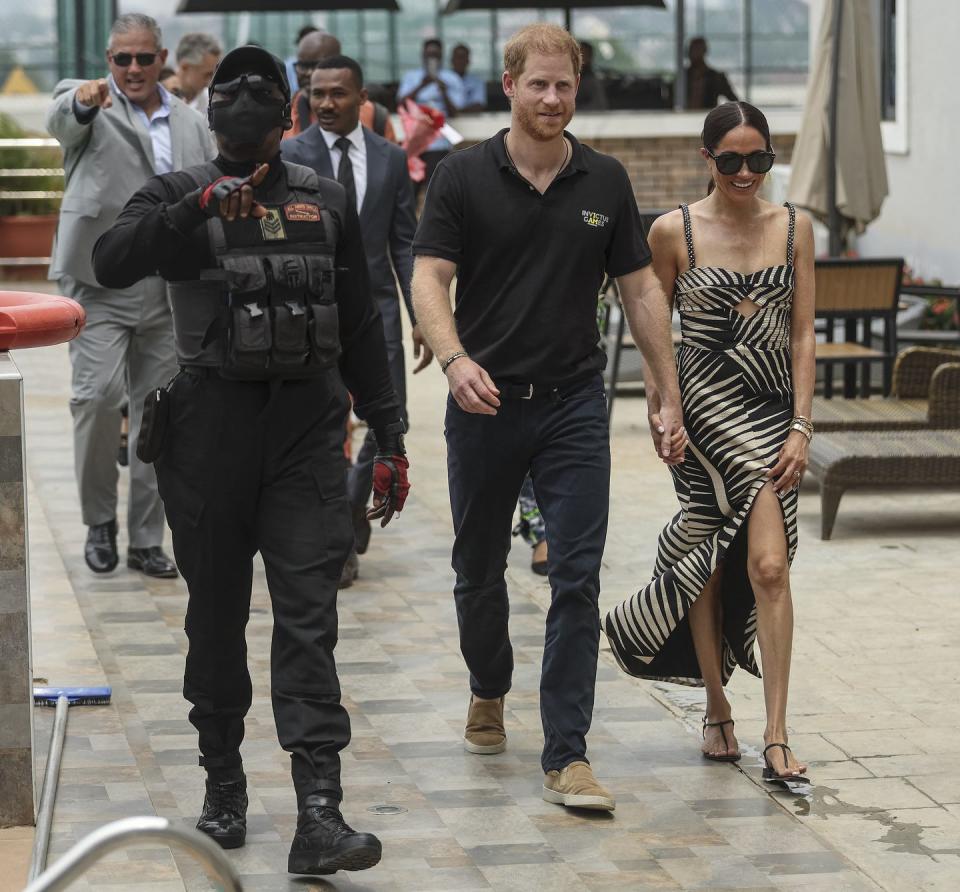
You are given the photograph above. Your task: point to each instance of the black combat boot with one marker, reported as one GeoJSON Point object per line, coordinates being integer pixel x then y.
{"type": "Point", "coordinates": [325, 843]}
{"type": "Point", "coordinates": [224, 817]}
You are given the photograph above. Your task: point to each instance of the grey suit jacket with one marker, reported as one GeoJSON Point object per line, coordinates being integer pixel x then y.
{"type": "Point", "coordinates": [105, 162]}
{"type": "Point", "coordinates": [387, 218]}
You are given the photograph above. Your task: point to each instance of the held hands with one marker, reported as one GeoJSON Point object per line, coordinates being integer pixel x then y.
{"type": "Point", "coordinates": [669, 435]}
{"type": "Point", "coordinates": [232, 197]}
{"type": "Point", "coordinates": [421, 347]}
{"type": "Point", "coordinates": [94, 94]}
{"type": "Point", "coordinates": [472, 387]}
{"type": "Point", "coordinates": [787, 473]}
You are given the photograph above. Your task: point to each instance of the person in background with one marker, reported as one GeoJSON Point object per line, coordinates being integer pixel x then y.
{"type": "Point", "coordinates": [290, 62]}
{"type": "Point", "coordinates": [474, 89]}
{"type": "Point", "coordinates": [532, 527]}
{"type": "Point", "coordinates": [116, 132]}
{"type": "Point", "coordinates": [705, 85]}
{"type": "Point", "coordinates": [437, 88]}
{"type": "Point", "coordinates": [373, 171]}
{"type": "Point", "coordinates": [169, 81]}
{"type": "Point", "coordinates": [197, 58]}
{"type": "Point", "coordinates": [313, 48]}
{"type": "Point", "coordinates": [592, 94]}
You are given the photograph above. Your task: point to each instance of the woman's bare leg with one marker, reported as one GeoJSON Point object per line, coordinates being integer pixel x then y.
{"type": "Point", "coordinates": [769, 572]}
{"type": "Point", "coordinates": [705, 617]}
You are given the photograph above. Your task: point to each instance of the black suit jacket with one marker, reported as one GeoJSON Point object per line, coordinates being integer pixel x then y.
{"type": "Point", "coordinates": [387, 218]}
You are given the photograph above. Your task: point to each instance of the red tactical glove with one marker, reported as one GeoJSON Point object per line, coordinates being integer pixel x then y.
{"type": "Point", "coordinates": [390, 483]}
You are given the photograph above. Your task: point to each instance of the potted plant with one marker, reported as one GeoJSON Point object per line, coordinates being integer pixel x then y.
{"type": "Point", "coordinates": [27, 224]}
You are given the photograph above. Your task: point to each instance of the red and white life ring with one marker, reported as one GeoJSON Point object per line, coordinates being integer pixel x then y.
{"type": "Point", "coordinates": [38, 320]}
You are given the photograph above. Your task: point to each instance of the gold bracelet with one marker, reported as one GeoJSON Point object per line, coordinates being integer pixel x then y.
{"type": "Point", "coordinates": [803, 429]}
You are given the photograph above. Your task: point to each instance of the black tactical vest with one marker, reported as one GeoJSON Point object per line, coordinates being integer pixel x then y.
{"type": "Point", "coordinates": [268, 308]}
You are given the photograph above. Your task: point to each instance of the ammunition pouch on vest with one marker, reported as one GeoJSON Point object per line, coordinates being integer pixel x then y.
{"type": "Point", "coordinates": [268, 308]}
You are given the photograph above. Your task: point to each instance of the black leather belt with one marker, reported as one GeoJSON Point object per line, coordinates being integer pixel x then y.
{"type": "Point", "coordinates": [201, 371]}
{"type": "Point", "coordinates": [511, 390]}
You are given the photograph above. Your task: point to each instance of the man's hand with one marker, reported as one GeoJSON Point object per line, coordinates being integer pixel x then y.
{"type": "Point", "coordinates": [94, 94]}
{"type": "Point", "coordinates": [420, 346]}
{"type": "Point", "coordinates": [390, 465]}
{"type": "Point", "coordinates": [669, 435]}
{"type": "Point", "coordinates": [232, 197]}
{"type": "Point", "coordinates": [472, 387]}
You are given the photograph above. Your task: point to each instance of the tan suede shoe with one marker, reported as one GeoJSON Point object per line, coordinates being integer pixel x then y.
{"type": "Point", "coordinates": [576, 787]}
{"type": "Point", "coordinates": [484, 734]}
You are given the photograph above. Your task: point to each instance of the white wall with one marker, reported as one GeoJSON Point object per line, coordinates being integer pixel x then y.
{"type": "Point", "coordinates": [921, 215]}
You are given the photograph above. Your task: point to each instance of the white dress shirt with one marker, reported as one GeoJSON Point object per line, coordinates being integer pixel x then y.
{"type": "Point", "coordinates": [158, 126]}
{"type": "Point", "coordinates": [358, 157]}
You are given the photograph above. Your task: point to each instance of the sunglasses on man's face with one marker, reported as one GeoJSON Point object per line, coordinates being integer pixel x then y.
{"type": "Point", "coordinates": [730, 163]}
{"type": "Point", "coordinates": [125, 60]}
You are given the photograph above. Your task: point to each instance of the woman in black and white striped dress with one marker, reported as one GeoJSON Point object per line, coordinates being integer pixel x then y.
{"type": "Point", "coordinates": [741, 272]}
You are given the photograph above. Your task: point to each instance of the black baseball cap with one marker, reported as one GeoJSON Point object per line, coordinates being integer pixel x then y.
{"type": "Point", "coordinates": [251, 60]}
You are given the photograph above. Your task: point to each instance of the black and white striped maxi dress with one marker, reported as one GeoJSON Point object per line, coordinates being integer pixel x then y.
{"type": "Point", "coordinates": [735, 383]}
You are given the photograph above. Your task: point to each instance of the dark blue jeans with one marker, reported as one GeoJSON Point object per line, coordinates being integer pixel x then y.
{"type": "Point", "coordinates": [562, 439]}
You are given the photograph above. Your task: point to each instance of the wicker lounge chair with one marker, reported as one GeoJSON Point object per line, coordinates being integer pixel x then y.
{"type": "Point", "coordinates": [926, 394]}
{"type": "Point", "coordinates": [886, 459]}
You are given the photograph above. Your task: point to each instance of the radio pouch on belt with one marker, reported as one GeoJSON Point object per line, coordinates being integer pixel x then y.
{"type": "Point", "coordinates": [153, 425]}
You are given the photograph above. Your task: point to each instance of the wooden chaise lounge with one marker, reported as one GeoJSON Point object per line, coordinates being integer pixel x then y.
{"type": "Point", "coordinates": [925, 394]}
{"type": "Point", "coordinates": [884, 460]}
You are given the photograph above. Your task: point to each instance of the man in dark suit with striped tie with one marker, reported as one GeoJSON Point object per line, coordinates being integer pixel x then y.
{"type": "Point", "coordinates": [373, 171]}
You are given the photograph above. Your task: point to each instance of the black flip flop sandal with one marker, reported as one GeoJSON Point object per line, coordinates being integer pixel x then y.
{"type": "Point", "coordinates": [725, 757]}
{"type": "Point", "coordinates": [771, 774]}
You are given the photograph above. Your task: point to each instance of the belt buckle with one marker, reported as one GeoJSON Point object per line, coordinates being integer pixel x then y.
{"type": "Point", "coordinates": [529, 395]}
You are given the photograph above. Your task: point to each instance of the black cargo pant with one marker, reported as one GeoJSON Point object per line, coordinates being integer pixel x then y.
{"type": "Point", "coordinates": [248, 467]}
{"type": "Point", "coordinates": [562, 438]}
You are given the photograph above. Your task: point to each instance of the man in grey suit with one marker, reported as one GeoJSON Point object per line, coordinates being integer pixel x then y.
{"type": "Point", "coordinates": [117, 132]}
{"type": "Point", "coordinates": [373, 171]}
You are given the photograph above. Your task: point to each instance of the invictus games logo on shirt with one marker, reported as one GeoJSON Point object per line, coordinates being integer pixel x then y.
{"type": "Point", "coordinates": [595, 219]}
{"type": "Point", "coordinates": [272, 226]}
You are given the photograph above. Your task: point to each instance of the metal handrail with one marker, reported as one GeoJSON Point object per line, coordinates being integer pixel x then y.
{"type": "Point", "coordinates": [118, 834]}
{"type": "Point", "coordinates": [28, 142]}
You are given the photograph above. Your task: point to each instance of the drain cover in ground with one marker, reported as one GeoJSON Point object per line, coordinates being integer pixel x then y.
{"type": "Point", "coordinates": [387, 809]}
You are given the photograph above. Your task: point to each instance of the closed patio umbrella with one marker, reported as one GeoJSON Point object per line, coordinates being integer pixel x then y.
{"type": "Point", "coordinates": [838, 168]}
{"type": "Point", "coordinates": [283, 5]}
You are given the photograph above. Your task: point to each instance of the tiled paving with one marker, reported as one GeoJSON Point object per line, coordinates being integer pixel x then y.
{"type": "Point", "coordinates": [874, 705]}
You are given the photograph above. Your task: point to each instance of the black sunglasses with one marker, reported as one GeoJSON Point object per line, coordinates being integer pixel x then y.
{"type": "Point", "coordinates": [730, 163]}
{"type": "Point", "coordinates": [305, 66]}
{"type": "Point", "coordinates": [125, 60]}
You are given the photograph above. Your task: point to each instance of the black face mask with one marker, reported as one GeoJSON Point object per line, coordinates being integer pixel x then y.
{"type": "Point", "coordinates": [248, 118]}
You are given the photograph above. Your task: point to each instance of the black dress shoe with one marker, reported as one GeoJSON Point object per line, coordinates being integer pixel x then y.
{"type": "Point", "coordinates": [100, 550]}
{"type": "Point", "coordinates": [224, 817]}
{"type": "Point", "coordinates": [361, 528]}
{"type": "Point", "coordinates": [151, 562]}
{"type": "Point", "coordinates": [325, 843]}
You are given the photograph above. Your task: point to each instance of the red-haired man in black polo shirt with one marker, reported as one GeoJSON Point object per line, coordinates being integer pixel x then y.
{"type": "Point", "coordinates": [530, 221]}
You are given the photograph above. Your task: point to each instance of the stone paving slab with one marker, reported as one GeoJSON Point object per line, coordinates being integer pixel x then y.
{"type": "Point", "coordinates": [871, 705]}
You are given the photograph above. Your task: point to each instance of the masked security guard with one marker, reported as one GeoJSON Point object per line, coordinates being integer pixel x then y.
{"type": "Point", "coordinates": [272, 316]}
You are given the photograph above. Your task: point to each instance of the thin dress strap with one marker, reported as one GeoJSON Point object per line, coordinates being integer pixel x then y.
{"type": "Point", "coordinates": [791, 227]}
{"type": "Point", "coordinates": [688, 235]}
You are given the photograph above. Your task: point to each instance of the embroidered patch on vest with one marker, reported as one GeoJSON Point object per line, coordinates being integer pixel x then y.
{"type": "Point", "coordinates": [302, 212]}
{"type": "Point", "coordinates": [272, 226]}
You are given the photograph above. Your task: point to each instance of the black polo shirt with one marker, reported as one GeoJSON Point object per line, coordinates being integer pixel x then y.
{"type": "Point", "coordinates": [530, 266]}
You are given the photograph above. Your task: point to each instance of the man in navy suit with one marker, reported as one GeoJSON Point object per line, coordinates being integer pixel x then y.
{"type": "Point", "coordinates": [373, 171]}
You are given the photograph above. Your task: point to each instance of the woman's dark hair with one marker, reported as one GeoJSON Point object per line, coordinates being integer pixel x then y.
{"type": "Point", "coordinates": [724, 118]}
